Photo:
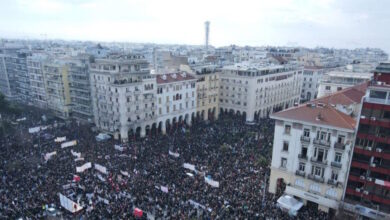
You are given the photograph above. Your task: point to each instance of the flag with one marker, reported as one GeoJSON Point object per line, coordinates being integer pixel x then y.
{"type": "Point", "coordinates": [76, 178]}
{"type": "Point", "coordinates": [138, 213]}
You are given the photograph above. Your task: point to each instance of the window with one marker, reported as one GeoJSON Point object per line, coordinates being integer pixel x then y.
{"type": "Point", "coordinates": [304, 152]}
{"type": "Point", "coordinates": [285, 145]}
{"type": "Point", "coordinates": [287, 129]}
{"type": "Point", "coordinates": [315, 188]}
{"type": "Point", "coordinates": [167, 109]}
{"type": "Point", "coordinates": [306, 132]}
{"type": "Point", "coordinates": [327, 88]}
{"type": "Point", "coordinates": [300, 183]}
{"type": "Point", "coordinates": [317, 171]}
{"type": "Point", "coordinates": [159, 111]}
{"type": "Point", "coordinates": [331, 193]}
{"type": "Point", "coordinates": [283, 163]}
{"type": "Point", "coordinates": [377, 94]}
{"type": "Point", "coordinates": [335, 175]}
{"type": "Point", "coordinates": [337, 157]}
{"type": "Point", "coordinates": [302, 167]}
{"type": "Point", "coordinates": [340, 139]}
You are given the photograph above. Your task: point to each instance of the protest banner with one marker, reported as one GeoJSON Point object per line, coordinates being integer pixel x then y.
{"type": "Point", "coordinates": [68, 144]}
{"type": "Point", "coordinates": [118, 147]}
{"type": "Point", "coordinates": [49, 155]}
{"type": "Point", "coordinates": [125, 173]}
{"type": "Point", "coordinates": [174, 154]}
{"type": "Point", "coordinates": [211, 182]}
{"type": "Point", "coordinates": [76, 154]}
{"type": "Point", "coordinates": [164, 189]}
{"type": "Point", "coordinates": [34, 130]}
{"type": "Point", "coordinates": [69, 204]}
{"type": "Point", "coordinates": [60, 139]}
{"type": "Point", "coordinates": [189, 166]}
{"type": "Point", "coordinates": [83, 167]}
{"type": "Point", "coordinates": [101, 168]}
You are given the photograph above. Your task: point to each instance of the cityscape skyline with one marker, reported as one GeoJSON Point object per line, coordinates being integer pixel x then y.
{"type": "Point", "coordinates": [282, 23]}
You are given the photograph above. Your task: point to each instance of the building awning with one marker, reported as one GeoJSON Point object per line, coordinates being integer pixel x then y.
{"type": "Point", "coordinates": [289, 204]}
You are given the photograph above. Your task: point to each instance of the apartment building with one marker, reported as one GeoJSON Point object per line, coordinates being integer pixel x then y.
{"type": "Point", "coordinates": [337, 80]}
{"type": "Point", "coordinates": [38, 92]}
{"type": "Point", "coordinates": [176, 99]}
{"type": "Point", "coordinates": [312, 148]}
{"type": "Point", "coordinates": [207, 93]}
{"type": "Point", "coordinates": [257, 90]}
{"type": "Point", "coordinates": [368, 191]}
{"type": "Point", "coordinates": [55, 73]}
{"type": "Point", "coordinates": [80, 88]}
{"type": "Point", "coordinates": [123, 95]}
{"type": "Point", "coordinates": [310, 83]}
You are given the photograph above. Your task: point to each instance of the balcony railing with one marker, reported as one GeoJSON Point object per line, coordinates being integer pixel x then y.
{"type": "Point", "coordinates": [340, 146]}
{"type": "Point", "coordinates": [335, 183]}
{"type": "Point", "coordinates": [317, 161]}
{"type": "Point", "coordinates": [303, 157]}
{"type": "Point", "coordinates": [300, 173]}
{"type": "Point", "coordinates": [316, 178]}
{"type": "Point", "coordinates": [335, 164]}
{"type": "Point", "coordinates": [305, 139]}
{"type": "Point", "coordinates": [321, 142]}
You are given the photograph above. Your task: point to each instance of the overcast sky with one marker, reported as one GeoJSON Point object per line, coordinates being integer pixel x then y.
{"type": "Point", "coordinates": [330, 23]}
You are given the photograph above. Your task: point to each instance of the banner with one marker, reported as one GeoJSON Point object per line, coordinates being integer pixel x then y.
{"type": "Point", "coordinates": [164, 189]}
{"type": "Point", "coordinates": [68, 144]}
{"type": "Point", "coordinates": [101, 168]}
{"type": "Point", "coordinates": [174, 154]}
{"type": "Point", "coordinates": [101, 178]}
{"type": "Point", "coordinates": [21, 119]}
{"type": "Point", "coordinates": [34, 130]}
{"type": "Point", "coordinates": [79, 159]}
{"type": "Point", "coordinates": [211, 182]}
{"type": "Point", "coordinates": [60, 139]}
{"type": "Point", "coordinates": [382, 182]}
{"type": "Point", "coordinates": [196, 205]}
{"type": "Point", "coordinates": [69, 204]}
{"type": "Point", "coordinates": [190, 174]}
{"type": "Point", "coordinates": [105, 201]}
{"type": "Point", "coordinates": [83, 167]}
{"type": "Point", "coordinates": [78, 155]}
{"type": "Point", "coordinates": [49, 155]}
{"type": "Point", "coordinates": [125, 173]}
{"type": "Point", "coordinates": [189, 166]}
{"type": "Point", "coordinates": [118, 147]}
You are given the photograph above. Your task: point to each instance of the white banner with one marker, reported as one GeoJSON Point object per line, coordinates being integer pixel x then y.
{"type": "Point", "coordinates": [101, 168]}
{"type": "Point", "coordinates": [164, 189]}
{"type": "Point", "coordinates": [189, 166]}
{"type": "Point", "coordinates": [69, 204]}
{"type": "Point", "coordinates": [60, 139]}
{"type": "Point", "coordinates": [174, 154]}
{"type": "Point", "coordinates": [118, 147]}
{"type": "Point", "coordinates": [125, 173]}
{"type": "Point", "coordinates": [79, 159]}
{"type": "Point", "coordinates": [211, 182]}
{"type": "Point", "coordinates": [101, 178]}
{"type": "Point", "coordinates": [76, 154]}
{"type": "Point", "coordinates": [21, 119]}
{"type": "Point", "coordinates": [68, 144]}
{"type": "Point", "coordinates": [34, 130]}
{"type": "Point", "coordinates": [190, 174]}
{"type": "Point", "coordinates": [83, 167]}
{"type": "Point", "coordinates": [49, 155]}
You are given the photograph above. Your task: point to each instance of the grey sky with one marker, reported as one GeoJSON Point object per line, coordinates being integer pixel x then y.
{"type": "Point", "coordinates": [330, 23]}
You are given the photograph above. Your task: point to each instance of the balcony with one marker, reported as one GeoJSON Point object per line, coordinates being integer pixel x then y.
{"type": "Point", "coordinates": [302, 157]}
{"type": "Point", "coordinates": [321, 143]}
{"type": "Point", "coordinates": [319, 161]}
{"type": "Point", "coordinates": [340, 146]}
{"type": "Point", "coordinates": [334, 183]}
{"type": "Point", "coordinates": [305, 139]}
{"type": "Point", "coordinates": [316, 178]}
{"type": "Point", "coordinates": [335, 164]}
{"type": "Point", "coordinates": [300, 173]}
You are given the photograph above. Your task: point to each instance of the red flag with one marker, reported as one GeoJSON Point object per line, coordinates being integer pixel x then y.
{"type": "Point", "coordinates": [138, 213]}
{"type": "Point", "coordinates": [76, 178]}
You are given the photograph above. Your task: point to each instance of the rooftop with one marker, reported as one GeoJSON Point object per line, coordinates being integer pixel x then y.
{"type": "Point", "coordinates": [174, 77]}
{"type": "Point", "coordinates": [350, 75]}
{"type": "Point", "coordinates": [323, 111]}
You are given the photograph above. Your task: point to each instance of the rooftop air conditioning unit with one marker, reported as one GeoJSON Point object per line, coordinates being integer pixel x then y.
{"type": "Point", "coordinates": [373, 165]}
{"type": "Point", "coordinates": [365, 192]}
{"type": "Point", "coordinates": [379, 150]}
{"type": "Point", "coordinates": [357, 189]}
{"type": "Point", "coordinates": [369, 148]}
{"type": "Point", "coordinates": [363, 117]}
{"type": "Point", "coordinates": [373, 118]}
{"type": "Point", "coordinates": [369, 179]}
{"type": "Point", "coordinates": [362, 177]}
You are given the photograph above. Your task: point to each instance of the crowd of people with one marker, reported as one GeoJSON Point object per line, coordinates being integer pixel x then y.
{"type": "Point", "coordinates": [145, 173]}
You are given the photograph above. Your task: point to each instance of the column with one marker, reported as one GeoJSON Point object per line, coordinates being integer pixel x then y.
{"type": "Point", "coordinates": [143, 131]}
{"type": "Point", "coordinates": [188, 120]}
{"type": "Point", "coordinates": [124, 135]}
{"type": "Point", "coordinates": [205, 115]}
{"type": "Point", "coordinates": [216, 113]}
{"type": "Point", "coordinates": [163, 128]}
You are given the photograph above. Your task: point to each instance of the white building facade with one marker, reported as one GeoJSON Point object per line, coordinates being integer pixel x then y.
{"type": "Point", "coordinates": [176, 99]}
{"type": "Point", "coordinates": [310, 83]}
{"type": "Point", "coordinates": [123, 95]}
{"type": "Point", "coordinates": [255, 91]}
{"type": "Point", "coordinates": [335, 81]}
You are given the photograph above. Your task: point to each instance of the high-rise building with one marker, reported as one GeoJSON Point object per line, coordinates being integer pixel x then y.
{"type": "Point", "coordinates": [207, 33]}
{"type": "Point", "coordinates": [123, 95]}
{"type": "Point", "coordinates": [368, 191]}
{"type": "Point", "coordinates": [37, 79]}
